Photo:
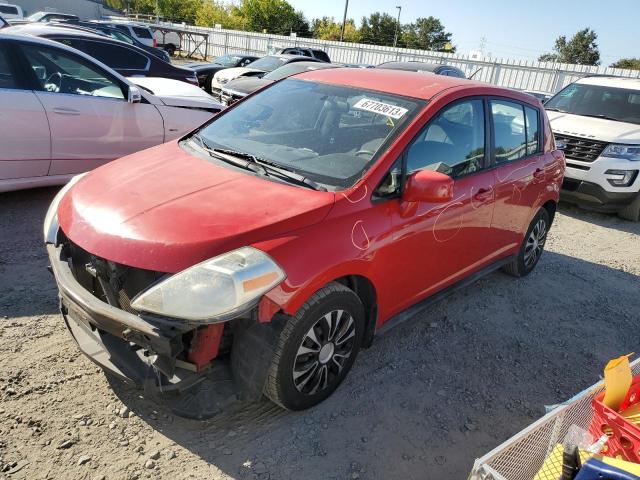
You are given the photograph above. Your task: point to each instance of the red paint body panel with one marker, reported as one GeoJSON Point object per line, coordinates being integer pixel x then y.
{"type": "Point", "coordinates": [164, 209]}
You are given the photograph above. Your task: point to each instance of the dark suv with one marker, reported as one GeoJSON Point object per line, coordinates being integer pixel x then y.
{"type": "Point", "coordinates": [127, 60]}
{"type": "Point", "coordinates": [306, 52]}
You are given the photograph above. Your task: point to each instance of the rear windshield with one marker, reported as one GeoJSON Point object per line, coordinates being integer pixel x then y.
{"type": "Point", "coordinates": [228, 60]}
{"type": "Point", "coordinates": [8, 9]}
{"type": "Point", "coordinates": [142, 32]}
{"type": "Point", "coordinates": [269, 63]}
{"type": "Point", "coordinates": [329, 133]}
{"type": "Point", "coordinates": [291, 69]}
{"type": "Point", "coordinates": [612, 103]}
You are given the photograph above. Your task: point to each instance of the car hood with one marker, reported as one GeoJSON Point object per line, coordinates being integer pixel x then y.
{"type": "Point", "coordinates": [247, 85]}
{"type": "Point", "coordinates": [601, 129]}
{"type": "Point", "coordinates": [164, 209]}
{"type": "Point", "coordinates": [200, 66]}
{"type": "Point", "coordinates": [176, 93]}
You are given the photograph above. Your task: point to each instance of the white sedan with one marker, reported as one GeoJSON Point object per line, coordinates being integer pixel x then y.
{"type": "Point", "coordinates": [66, 113]}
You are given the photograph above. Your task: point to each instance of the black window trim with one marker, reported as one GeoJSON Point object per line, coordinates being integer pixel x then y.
{"type": "Point", "coordinates": [113, 44]}
{"type": "Point", "coordinates": [16, 67]}
{"type": "Point", "coordinates": [492, 158]}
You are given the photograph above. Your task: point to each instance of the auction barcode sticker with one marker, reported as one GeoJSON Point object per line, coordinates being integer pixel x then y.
{"type": "Point", "coordinates": [380, 108]}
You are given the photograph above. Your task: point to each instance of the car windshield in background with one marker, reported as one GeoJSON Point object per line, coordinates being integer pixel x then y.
{"type": "Point", "coordinates": [330, 134]}
{"type": "Point", "coordinates": [8, 10]}
{"type": "Point", "coordinates": [268, 64]}
{"type": "Point", "coordinates": [142, 32]}
{"type": "Point", "coordinates": [287, 71]}
{"type": "Point", "coordinates": [620, 104]}
{"type": "Point", "coordinates": [227, 60]}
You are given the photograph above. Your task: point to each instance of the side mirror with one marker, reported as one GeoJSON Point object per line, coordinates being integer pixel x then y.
{"type": "Point", "coordinates": [428, 186]}
{"type": "Point", "coordinates": [134, 95]}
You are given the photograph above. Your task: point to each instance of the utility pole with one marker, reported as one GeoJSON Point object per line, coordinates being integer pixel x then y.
{"type": "Point", "coordinates": [344, 19]}
{"type": "Point", "coordinates": [395, 37]}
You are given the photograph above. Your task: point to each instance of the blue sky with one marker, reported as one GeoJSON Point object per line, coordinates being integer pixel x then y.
{"type": "Point", "coordinates": [520, 29]}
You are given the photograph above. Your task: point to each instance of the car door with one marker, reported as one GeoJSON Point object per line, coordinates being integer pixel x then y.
{"type": "Point", "coordinates": [25, 143]}
{"type": "Point", "coordinates": [438, 244]}
{"type": "Point", "coordinates": [90, 120]}
{"type": "Point", "coordinates": [518, 165]}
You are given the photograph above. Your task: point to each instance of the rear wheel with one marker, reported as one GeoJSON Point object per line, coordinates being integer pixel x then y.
{"type": "Point", "coordinates": [532, 246]}
{"type": "Point", "coordinates": [316, 348]}
{"type": "Point", "coordinates": [632, 211]}
{"type": "Point", "coordinates": [171, 49]}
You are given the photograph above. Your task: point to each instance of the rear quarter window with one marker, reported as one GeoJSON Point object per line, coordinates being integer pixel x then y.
{"type": "Point", "coordinates": [8, 10]}
{"type": "Point", "coordinates": [142, 32]}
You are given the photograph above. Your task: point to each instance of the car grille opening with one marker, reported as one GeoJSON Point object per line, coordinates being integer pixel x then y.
{"type": "Point", "coordinates": [582, 149]}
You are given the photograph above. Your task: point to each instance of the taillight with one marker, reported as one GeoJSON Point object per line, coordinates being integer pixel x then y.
{"type": "Point", "coordinates": [155, 43]}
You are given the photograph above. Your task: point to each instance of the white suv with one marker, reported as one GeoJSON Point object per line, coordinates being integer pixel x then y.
{"type": "Point", "coordinates": [596, 120]}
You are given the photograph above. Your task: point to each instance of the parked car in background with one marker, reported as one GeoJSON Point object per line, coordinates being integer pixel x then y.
{"type": "Point", "coordinates": [140, 32]}
{"type": "Point", "coordinates": [64, 113]}
{"type": "Point", "coordinates": [128, 60]}
{"type": "Point", "coordinates": [9, 11]}
{"type": "Point", "coordinates": [44, 17]}
{"type": "Point", "coordinates": [206, 70]}
{"type": "Point", "coordinates": [542, 96]}
{"type": "Point", "coordinates": [276, 239]}
{"type": "Point", "coordinates": [241, 87]}
{"type": "Point", "coordinates": [305, 52]}
{"type": "Point", "coordinates": [259, 68]}
{"type": "Point", "coordinates": [596, 120]}
{"type": "Point", "coordinates": [117, 34]}
{"type": "Point", "coordinates": [438, 69]}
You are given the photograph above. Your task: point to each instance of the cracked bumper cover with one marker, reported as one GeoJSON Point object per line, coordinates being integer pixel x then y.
{"type": "Point", "coordinates": [130, 346]}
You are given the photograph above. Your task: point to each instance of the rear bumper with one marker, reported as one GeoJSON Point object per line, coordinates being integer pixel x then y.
{"type": "Point", "coordinates": [593, 196]}
{"type": "Point", "coordinates": [129, 346]}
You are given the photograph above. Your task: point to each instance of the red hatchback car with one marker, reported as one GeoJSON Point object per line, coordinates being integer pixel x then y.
{"type": "Point", "coordinates": [271, 244]}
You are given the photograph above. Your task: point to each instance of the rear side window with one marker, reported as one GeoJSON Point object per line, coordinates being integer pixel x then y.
{"type": "Point", "coordinates": [7, 80]}
{"type": "Point", "coordinates": [509, 131]}
{"type": "Point", "coordinates": [142, 32]}
{"type": "Point", "coordinates": [116, 56]}
{"type": "Point", "coordinates": [452, 143]}
{"type": "Point", "coordinates": [8, 10]}
{"type": "Point", "coordinates": [321, 55]}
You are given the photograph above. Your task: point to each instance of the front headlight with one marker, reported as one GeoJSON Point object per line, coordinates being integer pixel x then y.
{"type": "Point", "coordinates": [50, 226]}
{"type": "Point", "coordinates": [214, 290]}
{"type": "Point", "coordinates": [627, 152]}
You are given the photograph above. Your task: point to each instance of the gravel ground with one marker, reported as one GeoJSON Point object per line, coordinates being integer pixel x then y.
{"type": "Point", "coordinates": [426, 399]}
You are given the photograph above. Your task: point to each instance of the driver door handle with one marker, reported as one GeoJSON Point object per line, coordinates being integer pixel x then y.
{"type": "Point", "coordinates": [66, 111]}
{"type": "Point", "coordinates": [483, 194]}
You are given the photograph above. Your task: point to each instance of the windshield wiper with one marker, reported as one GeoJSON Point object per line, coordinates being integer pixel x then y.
{"type": "Point", "coordinates": [255, 164]}
{"type": "Point", "coordinates": [555, 110]}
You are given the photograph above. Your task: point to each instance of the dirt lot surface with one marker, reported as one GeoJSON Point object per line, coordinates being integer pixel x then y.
{"type": "Point", "coordinates": [426, 399]}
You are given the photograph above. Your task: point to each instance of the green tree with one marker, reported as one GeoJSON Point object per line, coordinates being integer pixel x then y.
{"type": "Point", "coordinates": [179, 10]}
{"type": "Point", "coordinates": [326, 28]}
{"type": "Point", "coordinates": [212, 12]}
{"type": "Point", "coordinates": [582, 49]}
{"type": "Point", "coordinates": [628, 63]}
{"type": "Point", "coordinates": [300, 25]}
{"type": "Point", "coordinates": [147, 7]}
{"type": "Point", "coordinates": [272, 16]}
{"type": "Point", "coordinates": [426, 34]}
{"type": "Point", "coordinates": [378, 29]}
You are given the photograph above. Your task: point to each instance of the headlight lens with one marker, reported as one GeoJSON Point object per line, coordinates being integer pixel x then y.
{"type": "Point", "coordinates": [627, 152]}
{"type": "Point", "coordinates": [621, 178]}
{"type": "Point", "coordinates": [50, 226]}
{"type": "Point", "coordinates": [214, 290]}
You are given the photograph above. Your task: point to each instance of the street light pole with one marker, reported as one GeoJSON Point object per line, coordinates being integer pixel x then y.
{"type": "Point", "coordinates": [344, 19]}
{"type": "Point", "coordinates": [395, 37]}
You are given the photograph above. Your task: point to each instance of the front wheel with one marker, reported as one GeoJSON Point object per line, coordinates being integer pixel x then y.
{"type": "Point", "coordinates": [632, 211]}
{"type": "Point", "coordinates": [532, 246]}
{"type": "Point", "coordinates": [316, 348]}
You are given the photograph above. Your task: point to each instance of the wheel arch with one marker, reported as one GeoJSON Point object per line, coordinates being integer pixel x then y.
{"type": "Point", "coordinates": [550, 206]}
{"type": "Point", "coordinates": [366, 291]}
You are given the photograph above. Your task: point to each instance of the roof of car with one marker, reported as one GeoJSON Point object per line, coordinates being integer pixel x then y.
{"type": "Point", "coordinates": [620, 82]}
{"type": "Point", "coordinates": [411, 66]}
{"type": "Point", "coordinates": [41, 29]}
{"type": "Point", "coordinates": [409, 84]}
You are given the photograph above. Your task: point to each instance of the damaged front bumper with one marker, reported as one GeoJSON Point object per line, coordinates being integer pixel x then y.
{"type": "Point", "coordinates": [136, 349]}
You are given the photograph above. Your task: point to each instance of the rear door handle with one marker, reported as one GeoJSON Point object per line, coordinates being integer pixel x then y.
{"type": "Point", "coordinates": [538, 174]}
{"type": "Point", "coordinates": [66, 111]}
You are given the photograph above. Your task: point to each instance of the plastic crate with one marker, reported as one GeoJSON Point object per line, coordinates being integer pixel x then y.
{"type": "Point", "coordinates": [624, 436]}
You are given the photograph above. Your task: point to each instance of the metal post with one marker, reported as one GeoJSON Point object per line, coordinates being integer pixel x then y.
{"type": "Point", "coordinates": [344, 19]}
{"type": "Point", "coordinates": [395, 37]}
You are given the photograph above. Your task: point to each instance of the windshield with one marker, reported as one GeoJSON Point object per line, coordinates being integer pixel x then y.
{"type": "Point", "coordinates": [328, 133]}
{"type": "Point", "coordinates": [268, 64]}
{"type": "Point", "coordinates": [8, 10]}
{"type": "Point", "coordinates": [620, 104]}
{"type": "Point", "coordinates": [227, 60]}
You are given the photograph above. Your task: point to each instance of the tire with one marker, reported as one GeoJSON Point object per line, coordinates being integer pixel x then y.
{"type": "Point", "coordinates": [632, 211]}
{"type": "Point", "coordinates": [532, 246]}
{"type": "Point", "coordinates": [334, 317]}
{"type": "Point", "coordinates": [171, 50]}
